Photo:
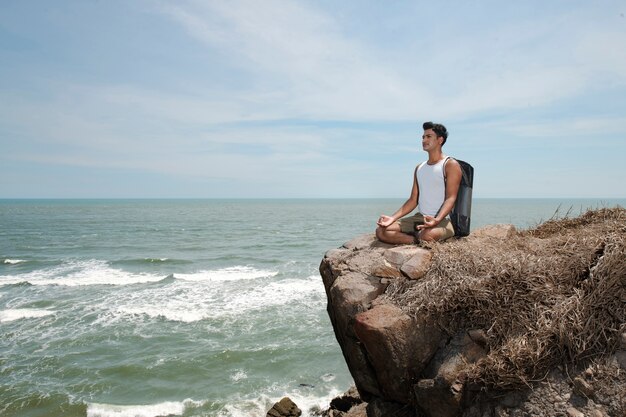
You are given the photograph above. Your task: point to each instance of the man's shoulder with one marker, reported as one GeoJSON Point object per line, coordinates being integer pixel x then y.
{"type": "Point", "coordinates": [451, 161]}
{"type": "Point", "coordinates": [452, 167]}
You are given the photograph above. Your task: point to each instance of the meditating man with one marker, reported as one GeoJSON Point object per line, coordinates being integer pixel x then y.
{"type": "Point", "coordinates": [435, 186]}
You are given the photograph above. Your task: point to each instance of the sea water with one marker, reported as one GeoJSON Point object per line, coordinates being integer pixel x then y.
{"type": "Point", "coordinates": [183, 307]}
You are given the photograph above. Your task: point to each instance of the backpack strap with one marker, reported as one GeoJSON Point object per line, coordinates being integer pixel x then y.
{"type": "Point", "coordinates": [444, 167]}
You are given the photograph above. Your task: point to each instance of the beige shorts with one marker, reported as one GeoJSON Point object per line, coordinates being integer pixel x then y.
{"type": "Point", "coordinates": [409, 225]}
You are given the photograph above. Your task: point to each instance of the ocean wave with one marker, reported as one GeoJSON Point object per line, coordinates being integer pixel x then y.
{"type": "Point", "coordinates": [188, 302]}
{"type": "Point", "coordinates": [99, 272]}
{"type": "Point", "coordinates": [148, 261]}
{"type": "Point", "coordinates": [23, 313]}
{"type": "Point", "coordinates": [13, 261]}
{"type": "Point", "coordinates": [81, 273]}
{"type": "Point", "coordinates": [168, 408]}
{"type": "Point", "coordinates": [234, 273]}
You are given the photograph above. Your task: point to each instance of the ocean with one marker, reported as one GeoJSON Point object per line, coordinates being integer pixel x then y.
{"type": "Point", "coordinates": [145, 308]}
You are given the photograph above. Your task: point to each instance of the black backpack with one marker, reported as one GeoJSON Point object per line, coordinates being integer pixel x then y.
{"type": "Point", "coordinates": [460, 214]}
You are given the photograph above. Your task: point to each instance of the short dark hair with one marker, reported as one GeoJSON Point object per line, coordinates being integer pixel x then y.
{"type": "Point", "coordinates": [439, 129]}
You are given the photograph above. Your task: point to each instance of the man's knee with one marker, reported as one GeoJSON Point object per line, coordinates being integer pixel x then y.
{"type": "Point", "coordinates": [380, 233]}
{"type": "Point", "coordinates": [430, 235]}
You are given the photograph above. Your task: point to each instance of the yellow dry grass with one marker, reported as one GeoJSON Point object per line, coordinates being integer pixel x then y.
{"type": "Point", "coordinates": [550, 295]}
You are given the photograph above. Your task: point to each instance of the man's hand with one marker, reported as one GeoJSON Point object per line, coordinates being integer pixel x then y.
{"type": "Point", "coordinates": [429, 221]}
{"type": "Point", "coordinates": [385, 221]}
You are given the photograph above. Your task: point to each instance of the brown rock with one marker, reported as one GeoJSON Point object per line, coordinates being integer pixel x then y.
{"type": "Point", "coordinates": [398, 347]}
{"type": "Point", "coordinates": [332, 266]}
{"type": "Point", "coordinates": [386, 270]}
{"type": "Point", "coordinates": [348, 400]}
{"type": "Point", "coordinates": [434, 400]}
{"type": "Point", "coordinates": [400, 254]}
{"type": "Point", "coordinates": [574, 412]}
{"type": "Point", "coordinates": [479, 336]}
{"type": "Point", "coordinates": [583, 387]}
{"type": "Point", "coordinates": [351, 294]}
{"type": "Point", "coordinates": [359, 410]}
{"type": "Point", "coordinates": [284, 408]}
{"type": "Point", "coordinates": [389, 346]}
{"type": "Point", "coordinates": [364, 261]}
{"type": "Point", "coordinates": [443, 397]}
{"type": "Point", "coordinates": [418, 265]}
{"type": "Point", "coordinates": [380, 408]}
{"type": "Point", "coordinates": [366, 241]}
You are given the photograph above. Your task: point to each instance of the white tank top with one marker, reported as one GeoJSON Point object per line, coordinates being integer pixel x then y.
{"type": "Point", "coordinates": [432, 187]}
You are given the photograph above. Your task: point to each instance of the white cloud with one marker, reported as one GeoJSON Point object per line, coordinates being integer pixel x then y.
{"type": "Point", "coordinates": [307, 67]}
{"type": "Point", "coordinates": [301, 53]}
{"type": "Point", "coordinates": [600, 126]}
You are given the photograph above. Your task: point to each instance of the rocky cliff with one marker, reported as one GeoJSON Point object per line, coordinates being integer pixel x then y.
{"type": "Point", "coordinates": [501, 323]}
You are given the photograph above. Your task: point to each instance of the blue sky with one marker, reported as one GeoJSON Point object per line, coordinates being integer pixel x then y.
{"type": "Point", "coordinates": [309, 98]}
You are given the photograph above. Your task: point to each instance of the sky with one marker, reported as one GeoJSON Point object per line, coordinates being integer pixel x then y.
{"type": "Point", "coordinates": [309, 99]}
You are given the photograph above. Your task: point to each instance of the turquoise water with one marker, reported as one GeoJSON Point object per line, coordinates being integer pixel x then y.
{"type": "Point", "coordinates": [182, 307]}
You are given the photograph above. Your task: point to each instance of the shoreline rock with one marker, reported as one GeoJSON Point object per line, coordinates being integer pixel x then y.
{"type": "Point", "coordinates": [435, 358]}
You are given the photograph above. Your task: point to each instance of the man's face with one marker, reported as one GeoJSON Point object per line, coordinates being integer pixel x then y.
{"type": "Point", "coordinates": [430, 140]}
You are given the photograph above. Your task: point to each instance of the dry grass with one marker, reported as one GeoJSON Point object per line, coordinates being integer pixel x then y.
{"type": "Point", "coordinates": [552, 294]}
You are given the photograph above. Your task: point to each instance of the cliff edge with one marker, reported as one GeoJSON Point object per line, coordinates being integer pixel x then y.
{"type": "Point", "coordinates": [501, 323]}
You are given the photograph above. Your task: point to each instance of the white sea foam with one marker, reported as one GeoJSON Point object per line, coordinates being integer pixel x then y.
{"type": "Point", "coordinates": [98, 272]}
{"type": "Point", "coordinates": [308, 403]}
{"type": "Point", "coordinates": [23, 313]}
{"type": "Point", "coordinates": [172, 311]}
{"type": "Point", "coordinates": [238, 376]}
{"type": "Point", "coordinates": [81, 273]}
{"type": "Point", "coordinates": [188, 302]}
{"type": "Point", "coordinates": [13, 261]}
{"type": "Point", "coordinates": [235, 273]}
{"type": "Point", "coordinates": [153, 410]}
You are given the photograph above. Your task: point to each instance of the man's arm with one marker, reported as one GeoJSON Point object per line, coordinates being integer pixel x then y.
{"type": "Point", "coordinates": [453, 181]}
{"type": "Point", "coordinates": [408, 206]}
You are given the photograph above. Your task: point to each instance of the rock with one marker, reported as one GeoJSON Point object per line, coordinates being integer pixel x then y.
{"type": "Point", "coordinates": [400, 254]}
{"type": "Point", "coordinates": [380, 408]}
{"type": "Point", "coordinates": [411, 356]}
{"type": "Point", "coordinates": [573, 412]}
{"type": "Point", "coordinates": [365, 261]}
{"type": "Point", "coordinates": [434, 397]}
{"type": "Point", "coordinates": [418, 265]}
{"type": "Point", "coordinates": [359, 410]}
{"type": "Point", "coordinates": [284, 408]}
{"type": "Point", "coordinates": [366, 241]}
{"type": "Point", "coordinates": [443, 397]}
{"type": "Point", "coordinates": [333, 265]}
{"type": "Point", "coordinates": [583, 387]}
{"type": "Point", "coordinates": [397, 346]}
{"type": "Point", "coordinates": [348, 400]}
{"type": "Point", "coordinates": [352, 293]}
{"type": "Point", "coordinates": [349, 295]}
{"type": "Point", "coordinates": [386, 270]}
{"type": "Point", "coordinates": [479, 336]}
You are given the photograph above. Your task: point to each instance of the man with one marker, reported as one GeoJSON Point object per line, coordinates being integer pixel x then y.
{"type": "Point", "coordinates": [432, 193]}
